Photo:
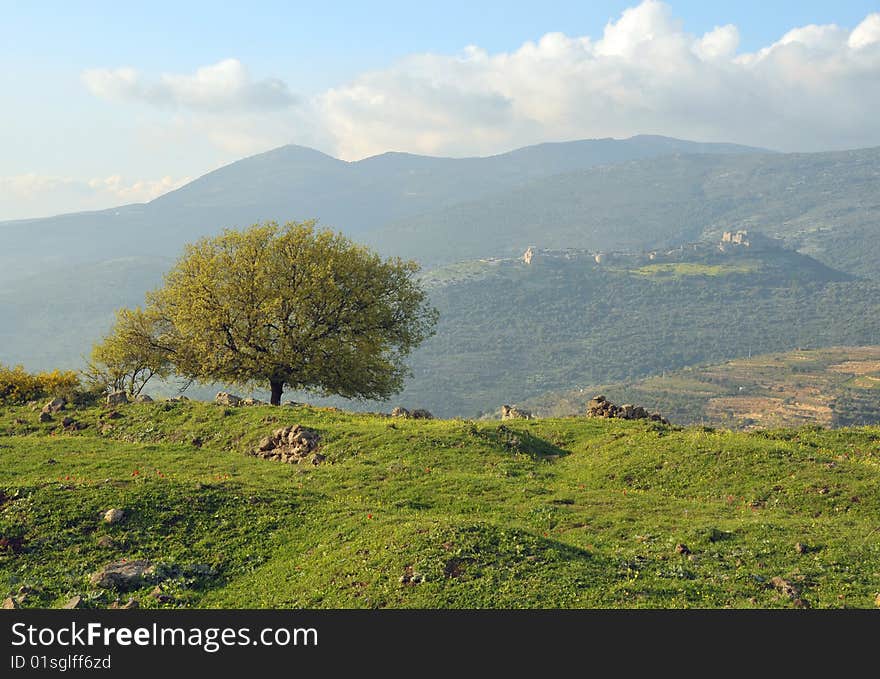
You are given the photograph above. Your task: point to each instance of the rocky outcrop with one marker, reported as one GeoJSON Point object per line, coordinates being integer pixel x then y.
{"type": "Point", "coordinates": [225, 399]}
{"type": "Point", "coordinates": [417, 414]}
{"type": "Point", "coordinates": [599, 406]}
{"type": "Point", "coordinates": [514, 413]}
{"type": "Point", "coordinates": [117, 398]}
{"type": "Point", "coordinates": [292, 445]}
{"type": "Point", "coordinates": [54, 406]}
{"type": "Point", "coordinates": [143, 398]}
{"type": "Point", "coordinates": [123, 575]}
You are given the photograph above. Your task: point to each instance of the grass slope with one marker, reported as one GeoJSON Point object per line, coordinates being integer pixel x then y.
{"type": "Point", "coordinates": [543, 513]}
{"type": "Point", "coordinates": [834, 386]}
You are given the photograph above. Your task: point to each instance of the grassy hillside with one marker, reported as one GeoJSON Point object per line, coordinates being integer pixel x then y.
{"type": "Point", "coordinates": [835, 386]}
{"type": "Point", "coordinates": [544, 513]}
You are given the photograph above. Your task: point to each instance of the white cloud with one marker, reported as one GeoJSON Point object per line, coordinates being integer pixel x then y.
{"type": "Point", "coordinates": [817, 87]}
{"type": "Point", "coordinates": [31, 195]}
{"type": "Point", "coordinates": [224, 86]}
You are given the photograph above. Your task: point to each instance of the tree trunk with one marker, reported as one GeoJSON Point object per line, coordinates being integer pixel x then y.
{"type": "Point", "coordinates": [277, 390]}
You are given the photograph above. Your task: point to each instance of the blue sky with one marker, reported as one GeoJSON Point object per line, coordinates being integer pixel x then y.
{"type": "Point", "coordinates": [353, 79]}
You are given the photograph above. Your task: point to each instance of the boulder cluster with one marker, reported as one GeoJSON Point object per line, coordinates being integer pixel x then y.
{"type": "Point", "coordinates": [417, 414]}
{"type": "Point", "coordinates": [514, 413]}
{"type": "Point", "coordinates": [599, 406]}
{"type": "Point", "coordinates": [291, 445]}
{"type": "Point", "coordinates": [225, 399]}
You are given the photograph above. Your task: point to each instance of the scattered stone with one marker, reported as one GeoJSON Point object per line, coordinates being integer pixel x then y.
{"type": "Point", "coordinates": [225, 399]}
{"type": "Point", "coordinates": [600, 406]}
{"type": "Point", "coordinates": [177, 399]}
{"type": "Point", "coordinates": [114, 415]}
{"type": "Point", "coordinates": [682, 549]}
{"type": "Point", "coordinates": [9, 603]}
{"type": "Point", "coordinates": [67, 422]}
{"type": "Point", "coordinates": [127, 606]}
{"type": "Point", "coordinates": [45, 417]}
{"type": "Point", "coordinates": [786, 587]}
{"type": "Point", "coordinates": [400, 411]}
{"type": "Point", "coordinates": [161, 597]}
{"type": "Point", "coordinates": [51, 460]}
{"type": "Point", "coordinates": [291, 445]}
{"type": "Point", "coordinates": [113, 516]}
{"type": "Point", "coordinates": [317, 458]}
{"type": "Point", "coordinates": [55, 405]}
{"type": "Point", "coordinates": [253, 402]}
{"type": "Point", "coordinates": [143, 398]}
{"type": "Point", "coordinates": [122, 575]}
{"type": "Point", "coordinates": [197, 441]}
{"type": "Point", "coordinates": [514, 413]}
{"type": "Point", "coordinates": [117, 398]}
{"type": "Point", "coordinates": [421, 414]}
{"type": "Point", "coordinates": [72, 602]}
{"type": "Point", "coordinates": [801, 548]}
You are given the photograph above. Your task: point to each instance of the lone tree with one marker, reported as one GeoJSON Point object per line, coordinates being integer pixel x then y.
{"type": "Point", "coordinates": [289, 306]}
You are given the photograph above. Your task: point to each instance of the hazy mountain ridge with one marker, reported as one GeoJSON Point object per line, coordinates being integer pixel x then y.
{"type": "Point", "coordinates": [294, 182]}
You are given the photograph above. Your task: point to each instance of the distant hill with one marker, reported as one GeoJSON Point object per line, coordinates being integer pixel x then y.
{"type": "Point", "coordinates": [830, 387]}
{"type": "Point", "coordinates": [293, 182]}
{"type": "Point", "coordinates": [823, 204]}
{"type": "Point", "coordinates": [510, 331]}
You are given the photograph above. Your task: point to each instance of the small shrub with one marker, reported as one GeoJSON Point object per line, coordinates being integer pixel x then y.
{"type": "Point", "coordinates": [18, 386]}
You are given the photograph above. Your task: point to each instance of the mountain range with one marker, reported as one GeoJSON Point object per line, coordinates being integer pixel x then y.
{"type": "Point", "coordinates": [507, 332]}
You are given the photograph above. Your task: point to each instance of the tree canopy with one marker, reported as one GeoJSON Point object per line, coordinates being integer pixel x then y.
{"type": "Point", "coordinates": [289, 306]}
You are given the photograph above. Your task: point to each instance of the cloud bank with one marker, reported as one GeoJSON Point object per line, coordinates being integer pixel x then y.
{"type": "Point", "coordinates": [816, 88]}
{"type": "Point", "coordinates": [221, 87]}
{"type": "Point", "coordinates": [33, 195]}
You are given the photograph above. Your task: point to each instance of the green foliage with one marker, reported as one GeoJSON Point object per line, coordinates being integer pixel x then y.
{"type": "Point", "coordinates": [18, 386]}
{"type": "Point", "coordinates": [582, 513]}
{"type": "Point", "coordinates": [280, 306]}
{"type": "Point", "coordinates": [130, 355]}
{"type": "Point", "coordinates": [515, 332]}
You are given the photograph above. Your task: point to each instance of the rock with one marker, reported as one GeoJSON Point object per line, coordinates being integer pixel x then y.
{"type": "Point", "coordinates": [127, 606]}
{"type": "Point", "coordinates": [143, 398]}
{"type": "Point", "coordinates": [55, 405]}
{"type": "Point", "coordinates": [114, 415]}
{"type": "Point", "coordinates": [117, 398]}
{"type": "Point", "coordinates": [196, 441]}
{"type": "Point", "coordinates": [72, 602]}
{"type": "Point", "coordinates": [289, 444]}
{"type": "Point", "coordinates": [67, 422]}
{"type": "Point", "coordinates": [123, 575]}
{"type": "Point", "coordinates": [225, 399]}
{"type": "Point", "coordinates": [599, 406]}
{"type": "Point", "coordinates": [785, 587]}
{"type": "Point", "coordinates": [9, 602]}
{"type": "Point", "coordinates": [177, 399]}
{"type": "Point", "coordinates": [421, 414]}
{"type": "Point", "coordinates": [682, 549]}
{"type": "Point", "coordinates": [113, 516]}
{"type": "Point", "coordinates": [400, 412]}
{"type": "Point", "coordinates": [253, 402]}
{"type": "Point", "coordinates": [514, 413]}
{"type": "Point", "coordinates": [45, 417]}
{"type": "Point", "coordinates": [801, 548]}
{"type": "Point", "coordinates": [106, 542]}
{"type": "Point", "coordinates": [318, 458]}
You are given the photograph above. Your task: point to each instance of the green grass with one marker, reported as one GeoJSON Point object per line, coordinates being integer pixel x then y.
{"type": "Point", "coordinates": [681, 269]}
{"type": "Point", "coordinates": [546, 513]}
